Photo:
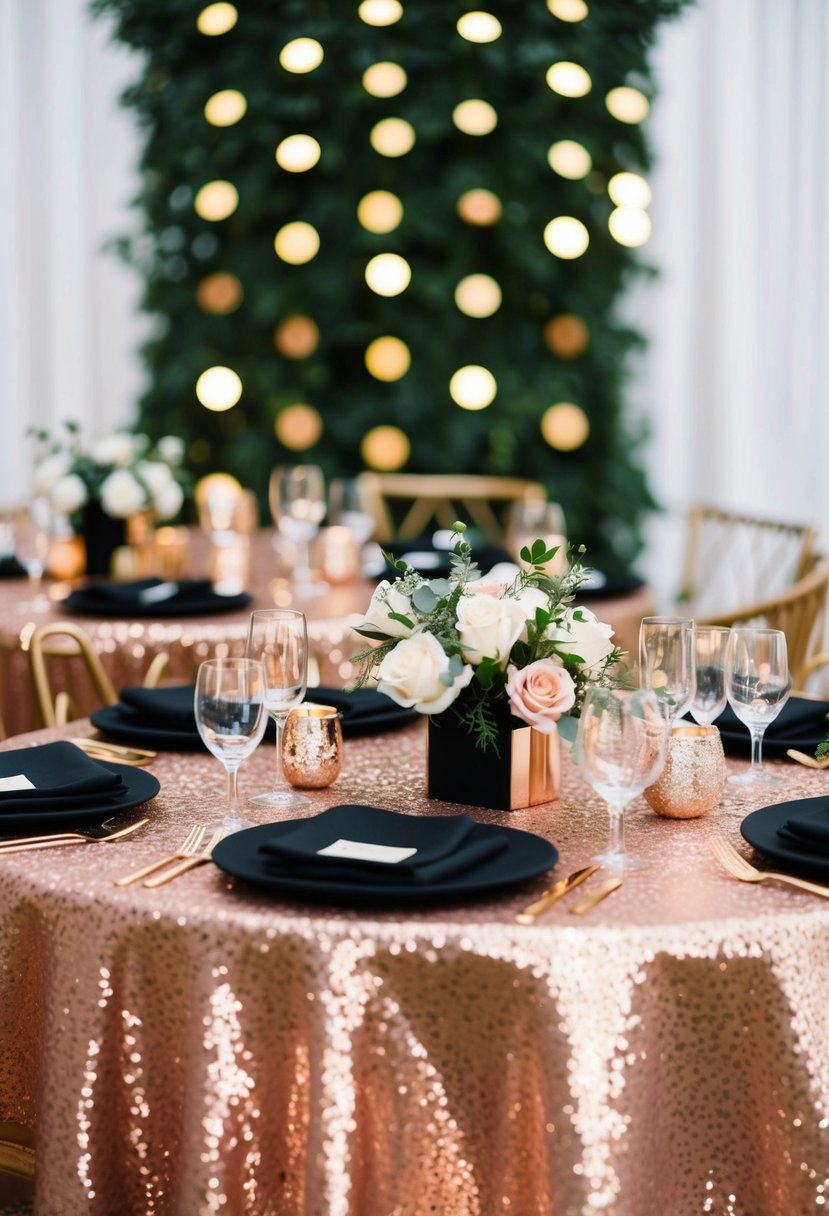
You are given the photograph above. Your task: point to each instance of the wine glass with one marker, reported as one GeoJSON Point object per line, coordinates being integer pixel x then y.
{"type": "Point", "coordinates": [621, 747]}
{"type": "Point", "coordinates": [296, 494]}
{"type": "Point", "coordinates": [229, 705]}
{"type": "Point", "coordinates": [758, 686]}
{"type": "Point", "coordinates": [710, 646]}
{"type": "Point", "coordinates": [31, 546]}
{"type": "Point", "coordinates": [278, 637]}
{"type": "Point", "coordinates": [666, 662]}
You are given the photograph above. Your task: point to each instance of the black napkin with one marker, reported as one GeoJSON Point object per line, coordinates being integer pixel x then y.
{"type": "Point", "coordinates": [10, 567]}
{"type": "Point", "coordinates": [808, 831]}
{"type": "Point", "coordinates": [432, 561]}
{"type": "Point", "coordinates": [147, 591]}
{"type": "Point", "coordinates": [446, 846]}
{"type": "Point", "coordinates": [799, 717]}
{"type": "Point", "coordinates": [62, 776]}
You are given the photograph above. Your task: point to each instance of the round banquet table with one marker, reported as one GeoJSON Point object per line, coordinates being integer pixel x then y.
{"type": "Point", "coordinates": [208, 1047]}
{"type": "Point", "coordinates": [128, 646]}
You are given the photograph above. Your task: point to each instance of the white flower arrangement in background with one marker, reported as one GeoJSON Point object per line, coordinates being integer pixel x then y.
{"type": "Point", "coordinates": [121, 471]}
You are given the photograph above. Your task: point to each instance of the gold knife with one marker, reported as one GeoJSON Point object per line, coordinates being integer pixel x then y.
{"type": "Point", "coordinates": [596, 897]}
{"type": "Point", "coordinates": [546, 900]}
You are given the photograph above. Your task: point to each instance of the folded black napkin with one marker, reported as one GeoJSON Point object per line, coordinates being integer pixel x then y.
{"type": "Point", "coordinates": [798, 718]}
{"type": "Point", "coordinates": [431, 559]}
{"type": "Point", "coordinates": [808, 831]}
{"type": "Point", "coordinates": [62, 776]}
{"type": "Point", "coordinates": [148, 591]}
{"type": "Point", "coordinates": [10, 567]}
{"type": "Point", "coordinates": [444, 846]}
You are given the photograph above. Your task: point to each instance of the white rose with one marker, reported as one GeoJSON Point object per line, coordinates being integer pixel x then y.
{"type": "Point", "coordinates": [154, 474]}
{"type": "Point", "coordinates": [411, 675]}
{"type": "Point", "coordinates": [122, 495]}
{"type": "Point", "coordinates": [487, 627]}
{"type": "Point", "coordinates": [119, 449]}
{"type": "Point", "coordinates": [68, 494]}
{"type": "Point", "coordinates": [169, 500]}
{"type": "Point", "coordinates": [589, 638]}
{"type": "Point", "coordinates": [49, 471]}
{"type": "Point", "coordinates": [386, 599]}
{"type": "Point", "coordinates": [171, 449]}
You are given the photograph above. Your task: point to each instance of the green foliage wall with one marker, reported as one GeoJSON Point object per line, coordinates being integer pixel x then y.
{"type": "Point", "coordinates": [600, 483]}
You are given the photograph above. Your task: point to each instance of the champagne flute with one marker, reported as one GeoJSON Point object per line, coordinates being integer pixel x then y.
{"type": "Point", "coordinates": [621, 746]}
{"type": "Point", "coordinates": [229, 705]}
{"type": "Point", "coordinates": [278, 637]}
{"type": "Point", "coordinates": [758, 685]}
{"type": "Point", "coordinates": [31, 544]}
{"type": "Point", "coordinates": [710, 647]}
{"type": "Point", "coordinates": [666, 662]}
{"type": "Point", "coordinates": [296, 494]}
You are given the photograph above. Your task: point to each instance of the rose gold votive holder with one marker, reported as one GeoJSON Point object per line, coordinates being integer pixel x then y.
{"type": "Point", "coordinates": [694, 774]}
{"type": "Point", "coordinates": [312, 746]}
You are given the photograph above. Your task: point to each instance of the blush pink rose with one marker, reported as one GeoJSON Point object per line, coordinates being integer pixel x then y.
{"type": "Point", "coordinates": [540, 693]}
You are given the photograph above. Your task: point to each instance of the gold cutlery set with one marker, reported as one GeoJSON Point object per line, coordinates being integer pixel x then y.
{"type": "Point", "coordinates": [196, 848]}
{"type": "Point", "coordinates": [100, 749]}
{"type": "Point", "coordinates": [548, 898]}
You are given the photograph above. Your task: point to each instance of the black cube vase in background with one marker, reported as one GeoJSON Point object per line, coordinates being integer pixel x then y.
{"type": "Point", "coordinates": [102, 535]}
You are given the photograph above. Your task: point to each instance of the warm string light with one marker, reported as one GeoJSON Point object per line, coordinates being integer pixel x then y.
{"type": "Point", "coordinates": [298, 427]}
{"type": "Point", "coordinates": [301, 55]}
{"type": "Point", "coordinates": [218, 388]}
{"type": "Point", "coordinates": [216, 19]}
{"type": "Point", "coordinates": [385, 448]}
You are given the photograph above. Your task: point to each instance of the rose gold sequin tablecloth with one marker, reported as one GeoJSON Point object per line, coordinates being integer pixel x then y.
{"type": "Point", "coordinates": [208, 1048]}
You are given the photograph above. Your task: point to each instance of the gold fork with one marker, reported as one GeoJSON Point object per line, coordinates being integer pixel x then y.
{"type": "Point", "coordinates": [809, 761]}
{"type": "Point", "coordinates": [190, 864]}
{"type": "Point", "coordinates": [94, 836]}
{"type": "Point", "coordinates": [99, 749]}
{"type": "Point", "coordinates": [738, 867]}
{"type": "Point", "coordinates": [189, 847]}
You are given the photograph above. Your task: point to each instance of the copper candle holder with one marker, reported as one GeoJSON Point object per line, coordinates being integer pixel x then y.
{"type": "Point", "coordinates": [312, 746]}
{"type": "Point", "coordinates": [694, 774]}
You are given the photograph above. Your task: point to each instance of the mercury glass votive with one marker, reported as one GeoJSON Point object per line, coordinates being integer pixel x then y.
{"type": "Point", "coordinates": [694, 774]}
{"type": "Point", "coordinates": [312, 746]}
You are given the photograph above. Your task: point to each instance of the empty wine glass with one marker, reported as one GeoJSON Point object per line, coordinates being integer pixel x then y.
{"type": "Point", "coordinates": [533, 519]}
{"type": "Point", "coordinates": [666, 662]}
{"type": "Point", "coordinates": [296, 494]}
{"type": "Point", "coordinates": [278, 638]}
{"type": "Point", "coordinates": [758, 685]}
{"type": "Point", "coordinates": [229, 705]}
{"type": "Point", "coordinates": [31, 546]}
{"type": "Point", "coordinates": [710, 646]}
{"type": "Point", "coordinates": [621, 747]}
{"type": "Point", "coordinates": [347, 508]}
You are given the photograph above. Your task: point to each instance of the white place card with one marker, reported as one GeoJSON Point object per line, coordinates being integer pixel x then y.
{"type": "Point", "coordinates": [157, 593]}
{"type": "Point", "coordinates": [18, 782]}
{"type": "Point", "coordinates": [363, 850]}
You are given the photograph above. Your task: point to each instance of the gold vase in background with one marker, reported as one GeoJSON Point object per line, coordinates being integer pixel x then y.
{"type": "Point", "coordinates": [694, 774]}
{"type": "Point", "coordinates": [312, 746]}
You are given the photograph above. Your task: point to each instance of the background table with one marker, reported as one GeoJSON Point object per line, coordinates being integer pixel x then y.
{"type": "Point", "coordinates": [127, 647]}
{"type": "Point", "coordinates": [206, 1047]}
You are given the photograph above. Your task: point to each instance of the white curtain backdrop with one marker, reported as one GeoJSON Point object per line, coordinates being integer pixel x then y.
{"type": "Point", "coordinates": [733, 381]}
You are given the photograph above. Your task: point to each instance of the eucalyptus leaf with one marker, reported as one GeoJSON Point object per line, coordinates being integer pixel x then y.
{"type": "Point", "coordinates": [568, 728]}
{"type": "Point", "coordinates": [424, 598]}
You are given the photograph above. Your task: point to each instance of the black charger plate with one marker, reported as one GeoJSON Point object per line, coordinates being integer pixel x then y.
{"type": "Point", "coordinates": [140, 787]}
{"type": "Point", "coordinates": [760, 830]}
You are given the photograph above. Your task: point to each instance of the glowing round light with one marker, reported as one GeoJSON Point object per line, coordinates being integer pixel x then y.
{"type": "Point", "coordinates": [475, 117]}
{"type": "Point", "coordinates": [301, 55]}
{"type": "Point", "coordinates": [380, 12]}
{"type": "Point", "coordinates": [216, 19]}
{"type": "Point", "coordinates": [566, 237]}
{"type": "Point", "coordinates": [219, 293]}
{"type": "Point", "coordinates": [388, 358]}
{"type": "Point", "coordinates": [473, 387]}
{"type": "Point", "coordinates": [567, 335]}
{"type": "Point", "coordinates": [216, 200]}
{"type": "Point", "coordinates": [629, 190]}
{"type": "Point", "coordinates": [629, 226]}
{"type": "Point", "coordinates": [480, 207]}
{"type": "Point", "coordinates": [479, 27]}
{"type": "Point", "coordinates": [392, 137]}
{"type": "Point", "coordinates": [385, 448]}
{"type": "Point", "coordinates": [568, 10]}
{"type": "Point", "coordinates": [568, 79]}
{"type": "Point", "coordinates": [298, 153]}
{"type": "Point", "coordinates": [380, 211]}
{"type": "Point", "coordinates": [388, 274]}
{"type": "Point", "coordinates": [218, 388]}
{"type": "Point", "coordinates": [569, 159]}
{"type": "Point", "coordinates": [565, 426]}
{"type": "Point", "coordinates": [478, 295]}
{"type": "Point", "coordinates": [297, 242]}
{"type": "Point", "coordinates": [627, 104]}
{"type": "Point", "coordinates": [296, 337]}
{"type": "Point", "coordinates": [384, 79]}
{"type": "Point", "coordinates": [225, 108]}
{"type": "Point", "coordinates": [298, 427]}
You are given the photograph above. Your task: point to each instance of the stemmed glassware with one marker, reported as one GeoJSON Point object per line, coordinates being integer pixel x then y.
{"type": "Point", "coordinates": [229, 705]}
{"type": "Point", "coordinates": [666, 662]}
{"type": "Point", "coordinates": [621, 746]}
{"type": "Point", "coordinates": [31, 546]}
{"type": "Point", "coordinates": [296, 494]}
{"type": "Point", "coordinates": [758, 685]}
{"type": "Point", "coordinates": [534, 518]}
{"type": "Point", "coordinates": [710, 649]}
{"type": "Point", "coordinates": [278, 638]}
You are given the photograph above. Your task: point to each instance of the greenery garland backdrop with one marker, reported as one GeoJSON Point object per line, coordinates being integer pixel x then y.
{"type": "Point", "coordinates": [395, 235]}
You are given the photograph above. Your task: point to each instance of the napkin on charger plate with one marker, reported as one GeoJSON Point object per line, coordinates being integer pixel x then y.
{"type": "Point", "coordinates": [366, 844]}
{"type": "Point", "coordinates": [808, 831]}
{"type": "Point", "coordinates": [55, 775]}
{"type": "Point", "coordinates": [143, 593]}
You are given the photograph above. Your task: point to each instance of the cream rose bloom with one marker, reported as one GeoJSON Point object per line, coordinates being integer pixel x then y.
{"type": "Point", "coordinates": [171, 449]}
{"type": "Point", "coordinates": [168, 500]}
{"type": "Point", "coordinates": [68, 494]}
{"type": "Point", "coordinates": [540, 693]}
{"type": "Point", "coordinates": [386, 599]}
{"type": "Point", "coordinates": [411, 675]}
{"type": "Point", "coordinates": [487, 627]}
{"type": "Point", "coordinates": [49, 471]}
{"type": "Point", "coordinates": [590, 638]}
{"type": "Point", "coordinates": [120, 448]}
{"type": "Point", "coordinates": [122, 495]}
